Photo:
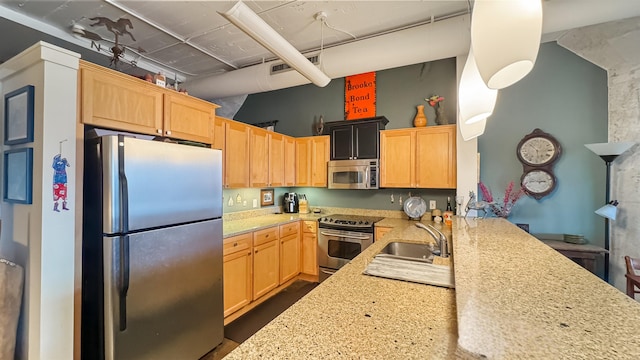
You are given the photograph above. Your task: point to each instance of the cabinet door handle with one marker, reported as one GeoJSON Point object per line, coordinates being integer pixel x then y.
{"type": "Point", "coordinates": [235, 244]}
{"type": "Point", "coordinates": [256, 251]}
{"type": "Point", "coordinates": [168, 132]}
{"type": "Point", "coordinates": [159, 131]}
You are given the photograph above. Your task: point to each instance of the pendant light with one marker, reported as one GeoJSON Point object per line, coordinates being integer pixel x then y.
{"type": "Point", "coordinates": [472, 131]}
{"type": "Point", "coordinates": [505, 36]}
{"type": "Point", "coordinates": [475, 99]}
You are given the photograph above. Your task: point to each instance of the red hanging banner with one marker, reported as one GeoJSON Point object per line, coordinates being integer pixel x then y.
{"type": "Point", "coordinates": [360, 96]}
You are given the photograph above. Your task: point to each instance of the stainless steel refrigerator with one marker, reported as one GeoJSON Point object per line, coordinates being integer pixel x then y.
{"type": "Point", "coordinates": [152, 250]}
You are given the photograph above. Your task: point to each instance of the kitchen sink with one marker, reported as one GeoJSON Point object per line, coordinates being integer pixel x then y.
{"type": "Point", "coordinates": [410, 251]}
{"type": "Point", "coordinates": [410, 262]}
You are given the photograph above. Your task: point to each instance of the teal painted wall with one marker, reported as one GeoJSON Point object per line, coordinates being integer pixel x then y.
{"type": "Point", "coordinates": [398, 92]}
{"type": "Point", "coordinates": [565, 96]}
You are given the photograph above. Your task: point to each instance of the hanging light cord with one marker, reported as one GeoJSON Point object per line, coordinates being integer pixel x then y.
{"type": "Point", "coordinates": [326, 23]}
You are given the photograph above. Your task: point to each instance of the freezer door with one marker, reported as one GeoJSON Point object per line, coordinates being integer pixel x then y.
{"type": "Point", "coordinates": [163, 293]}
{"type": "Point", "coordinates": [148, 184]}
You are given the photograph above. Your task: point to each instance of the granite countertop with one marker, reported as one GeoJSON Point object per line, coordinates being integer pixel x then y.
{"type": "Point", "coordinates": [351, 315]}
{"type": "Point", "coordinates": [515, 297]}
{"type": "Point", "coordinates": [240, 226]}
{"type": "Point", "coordinates": [518, 298]}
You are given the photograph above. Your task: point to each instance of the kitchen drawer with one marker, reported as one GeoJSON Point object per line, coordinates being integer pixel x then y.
{"type": "Point", "coordinates": [289, 229]}
{"type": "Point", "coordinates": [264, 236]}
{"type": "Point", "coordinates": [310, 227]}
{"type": "Point", "coordinates": [236, 243]}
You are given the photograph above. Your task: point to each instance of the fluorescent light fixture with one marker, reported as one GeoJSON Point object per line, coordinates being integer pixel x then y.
{"type": "Point", "coordinates": [609, 211]}
{"type": "Point", "coordinates": [475, 100]}
{"type": "Point", "coordinates": [250, 23]}
{"type": "Point", "coordinates": [505, 36]}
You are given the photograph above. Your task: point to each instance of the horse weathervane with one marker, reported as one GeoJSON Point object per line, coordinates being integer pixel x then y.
{"type": "Point", "coordinates": [119, 28]}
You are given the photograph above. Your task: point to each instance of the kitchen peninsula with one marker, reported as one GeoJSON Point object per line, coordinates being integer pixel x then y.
{"type": "Point", "coordinates": [515, 298]}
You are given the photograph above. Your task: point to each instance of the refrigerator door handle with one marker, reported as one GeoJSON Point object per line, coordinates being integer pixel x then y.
{"type": "Point", "coordinates": [123, 280]}
{"type": "Point", "coordinates": [123, 188]}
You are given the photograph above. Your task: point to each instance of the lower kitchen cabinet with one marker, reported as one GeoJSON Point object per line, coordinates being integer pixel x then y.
{"type": "Point", "coordinates": [309, 248]}
{"type": "Point", "coordinates": [380, 231]}
{"type": "Point", "coordinates": [289, 251]}
{"type": "Point", "coordinates": [266, 261]}
{"type": "Point", "coordinates": [237, 264]}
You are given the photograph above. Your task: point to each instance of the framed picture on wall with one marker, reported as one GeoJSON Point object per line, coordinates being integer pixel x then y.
{"type": "Point", "coordinates": [18, 116]}
{"type": "Point", "coordinates": [266, 197]}
{"type": "Point", "coordinates": [18, 175]}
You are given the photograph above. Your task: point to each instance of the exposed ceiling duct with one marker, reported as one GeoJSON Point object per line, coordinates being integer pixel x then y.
{"type": "Point", "coordinates": [439, 40]}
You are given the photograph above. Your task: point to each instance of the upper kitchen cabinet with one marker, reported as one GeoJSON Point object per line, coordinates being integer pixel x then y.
{"type": "Point", "coordinates": [276, 159]}
{"type": "Point", "coordinates": [418, 158]}
{"type": "Point", "coordinates": [289, 161]}
{"type": "Point", "coordinates": [188, 118]}
{"type": "Point", "coordinates": [355, 139]}
{"type": "Point", "coordinates": [312, 154]}
{"type": "Point", "coordinates": [236, 154]}
{"type": "Point", "coordinates": [259, 157]}
{"type": "Point", "coordinates": [218, 133]}
{"type": "Point", "coordinates": [118, 101]}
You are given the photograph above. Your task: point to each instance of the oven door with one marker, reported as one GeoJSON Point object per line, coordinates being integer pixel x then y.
{"type": "Point", "coordinates": [337, 247]}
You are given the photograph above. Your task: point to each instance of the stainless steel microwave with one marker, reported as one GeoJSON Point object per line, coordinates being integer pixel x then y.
{"type": "Point", "coordinates": [353, 174]}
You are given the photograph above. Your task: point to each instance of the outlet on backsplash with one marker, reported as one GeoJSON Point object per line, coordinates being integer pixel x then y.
{"type": "Point", "coordinates": [432, 204]}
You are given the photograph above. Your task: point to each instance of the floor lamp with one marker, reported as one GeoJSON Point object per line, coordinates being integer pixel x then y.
{"type": "Point", "coordinates": [608, 152]}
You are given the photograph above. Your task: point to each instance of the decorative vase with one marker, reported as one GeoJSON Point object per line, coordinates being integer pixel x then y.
{"type": "Point", "coordinates": [421, 119]}
{"type": "Point", "coordinates": [441, 118]}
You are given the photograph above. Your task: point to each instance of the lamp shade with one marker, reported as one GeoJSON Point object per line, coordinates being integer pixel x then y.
{"type": "Point", "coordinates": [607, 149]}
{"type": "Point", "coordinates": [471, 131]}
{"type": "Point", "coordinates": [505, 36]}
{"type": "Point", "coordinates": [609, 211]}
{"type": "Point", "coordinates": [475, 100]}
{"type": "Point", "coordinates": [251, 24]}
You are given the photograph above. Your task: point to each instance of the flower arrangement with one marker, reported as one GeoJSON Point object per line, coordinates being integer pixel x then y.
{"type": "Point", "coordinates": [434, 100]}
{"type": "Point", "coordinates": [510, 198]}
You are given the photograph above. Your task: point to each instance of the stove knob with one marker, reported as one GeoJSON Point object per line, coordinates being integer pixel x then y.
{"type": "Point", "coordinates": [360, 222]}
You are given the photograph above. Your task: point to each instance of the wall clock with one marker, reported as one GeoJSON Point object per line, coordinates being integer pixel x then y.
{"type": "Point", "coordinates": [538, 149]}
{"type": "Point", "coordinates": [538, 183]}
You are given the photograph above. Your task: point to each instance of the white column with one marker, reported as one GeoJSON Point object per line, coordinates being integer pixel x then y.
{"type": "Point", "coordinates": [36, 237]}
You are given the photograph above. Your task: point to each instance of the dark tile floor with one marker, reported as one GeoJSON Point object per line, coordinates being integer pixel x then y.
{"type": "Point", "coordinates": [249, 323]}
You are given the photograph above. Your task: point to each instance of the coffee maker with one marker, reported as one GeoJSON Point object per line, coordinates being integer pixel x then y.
{"type": "Point", "coordinates": [290, 203]}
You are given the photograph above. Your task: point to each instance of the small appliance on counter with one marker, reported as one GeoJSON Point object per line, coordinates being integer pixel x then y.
{"type": "Point", "coordinates": [290, 203]}
{"type": "Point", "coordinates": [303, 205]}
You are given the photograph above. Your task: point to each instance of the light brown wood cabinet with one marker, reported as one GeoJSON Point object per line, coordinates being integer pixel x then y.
{"type": "Point", "coordinates": [259, 164]}
{"type": "Point", "coordinates": [289, 161]}
{"type": "Point", "coordinates": [312, 154]}
{"type": "Point", "coordinates": [266, 261]}
{"type": "Point", "coordinates": [289, 251]}
{"type": "Point", "coordinates": [380, 231]}
{"type": "Point", "coordinates": [418, 158]}
{"type": "Point", "coordinates": [276, 159]}
{"type": "Point", "coordinates": [309, 248]}
{"type": "Point", "coordinates": [237, 276]}
{"type": "Point", "coordinates": [236, 155]}
{"type": "Point", "coordinates": [114, 100]}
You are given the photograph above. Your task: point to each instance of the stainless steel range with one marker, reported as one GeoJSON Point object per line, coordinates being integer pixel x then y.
{"type": "Point", "coordinates": [342, 238]}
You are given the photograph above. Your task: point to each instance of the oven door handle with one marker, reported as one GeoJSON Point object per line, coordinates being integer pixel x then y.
{"type": "Point", "coordinates": [345, 236]}
{"type": "Point", "coordinates": [328, 272]}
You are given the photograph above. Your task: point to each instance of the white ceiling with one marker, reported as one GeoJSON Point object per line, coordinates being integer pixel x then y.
{"type": "Point", "coordinates": [191, 39]}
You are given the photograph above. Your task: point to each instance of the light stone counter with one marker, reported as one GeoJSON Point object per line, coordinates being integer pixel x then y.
{"type": "Point", "coordinates": [240, 226]}
{"type": "Point", "coordinates": [515, 298]}
{"type": "Point", "coordinates": [355, 316]}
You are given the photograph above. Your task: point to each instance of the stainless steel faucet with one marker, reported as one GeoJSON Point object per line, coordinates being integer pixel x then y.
{"type": "Point", "coordinates": [437, 236]}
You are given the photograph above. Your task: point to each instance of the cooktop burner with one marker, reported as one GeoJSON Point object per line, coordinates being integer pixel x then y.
{"type": "Point", "coordinates": [348, 221]}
